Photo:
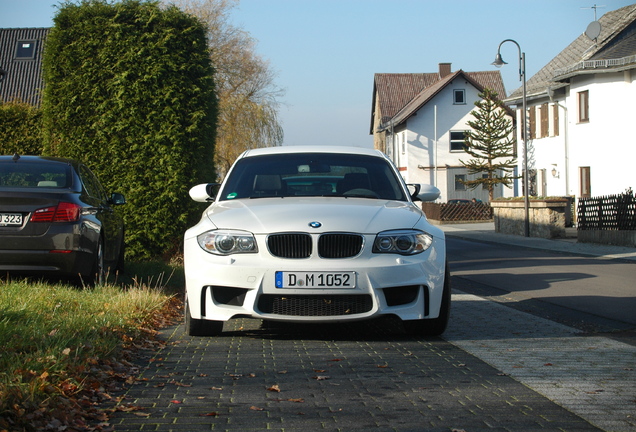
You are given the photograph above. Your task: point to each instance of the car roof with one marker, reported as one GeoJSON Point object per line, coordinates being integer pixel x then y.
{"type": "Point", "coordinates": [30, 159]}
{"type": "Point", "coordinates": [313, 149]}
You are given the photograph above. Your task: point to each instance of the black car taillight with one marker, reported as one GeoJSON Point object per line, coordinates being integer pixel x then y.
{"type": "Point", "coordinates": [63, 212]}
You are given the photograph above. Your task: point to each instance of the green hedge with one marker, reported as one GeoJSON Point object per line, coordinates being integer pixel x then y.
{"type": "Point", "coordinates": [130, 91]}
{"type": "Point", "coordinates": [20, 129]}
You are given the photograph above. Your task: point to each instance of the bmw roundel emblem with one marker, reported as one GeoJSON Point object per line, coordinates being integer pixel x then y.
{"type": "Point", "coordinates": [315, 224]}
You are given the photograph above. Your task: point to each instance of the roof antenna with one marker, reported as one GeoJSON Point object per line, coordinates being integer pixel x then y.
{"type": "Point", "coordinates": [594, 7]}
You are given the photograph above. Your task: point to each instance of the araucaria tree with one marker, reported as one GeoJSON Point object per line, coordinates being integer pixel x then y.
{"type": "Point", "coordinates": [491, 143]}
{"type": "Point", "coordinates": [129, 90]}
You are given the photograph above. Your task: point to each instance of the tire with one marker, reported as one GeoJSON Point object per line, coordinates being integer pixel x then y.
{"type": "Point", "coordinates": [200, 327]}
{"type": "Point", "coordinates": [119, 267]}
{"type": "Point", "coordinates": [97, 276]}
{"type": "Point", "coordinates": [435, 326]}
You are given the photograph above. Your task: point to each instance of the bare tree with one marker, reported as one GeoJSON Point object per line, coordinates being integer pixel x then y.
{"type": "Point", "coordinates": [246, 88]}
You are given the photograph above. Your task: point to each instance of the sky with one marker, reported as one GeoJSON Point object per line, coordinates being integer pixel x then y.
{"type": "Point", "coordinates": [326, 52]}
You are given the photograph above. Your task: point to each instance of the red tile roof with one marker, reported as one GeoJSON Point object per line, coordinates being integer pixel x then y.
{"type": "Point", "coordinates": [399, 95]}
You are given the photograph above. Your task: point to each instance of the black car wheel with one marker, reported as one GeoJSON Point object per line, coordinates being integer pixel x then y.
{"type": "Point", "coordinates": [97, 276]}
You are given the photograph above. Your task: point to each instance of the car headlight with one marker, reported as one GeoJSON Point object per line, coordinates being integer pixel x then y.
{"type": "Point", "coordinates": [224, 242]}
{"type": "Point", "coordinates": [403, 242]}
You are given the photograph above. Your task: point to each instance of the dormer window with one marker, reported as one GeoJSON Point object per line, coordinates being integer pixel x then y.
{"type": "Point", "coordinates": [25, 50]}
{"type": "Point", "coordinates": [459, 97]}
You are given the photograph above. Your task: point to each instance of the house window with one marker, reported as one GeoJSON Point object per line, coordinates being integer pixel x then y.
{"type": "Point", "coordinates": [459, 182]}
{"type": "Point", "coordinates": [584, 106]}
{"type": "Point", "coordinates": [25, 50]}
{"type": "Point", "coordinates": [585, 182]}
{"type": "Point", "coordinates": [457, 141]}
{"type": "Point", "coordinates": [459, 97]}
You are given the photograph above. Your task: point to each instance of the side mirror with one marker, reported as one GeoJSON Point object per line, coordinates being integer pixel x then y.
{"type": "Point", "coordinates": [204, 192]}
{"type": "Point", "coordinates": [423, 192]}
{"type": "Point", "coordinates": [117, 199]}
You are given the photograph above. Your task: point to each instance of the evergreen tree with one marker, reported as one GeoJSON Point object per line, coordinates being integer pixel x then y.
{"type": "Point", "coordinates": [491, 143]}
{"type": "Point", "coordinates": [130, 92]}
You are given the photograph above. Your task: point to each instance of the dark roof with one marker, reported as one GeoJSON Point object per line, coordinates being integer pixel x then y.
{"type": "Point", "coordinates": [614, 49]}
{"type": "Point", "coordinates": [21, 61]}
{"type": "Point", "coordinates": [400, 95]}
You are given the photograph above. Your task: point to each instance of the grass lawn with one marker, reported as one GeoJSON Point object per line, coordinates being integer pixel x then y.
{"type": "Point", "coordinates": [61, 344]}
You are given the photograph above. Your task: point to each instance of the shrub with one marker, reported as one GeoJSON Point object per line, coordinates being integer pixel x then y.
{"type": "Point", "coordinates": [20, 129]}
{"type": "Point", "coordinates": [130, 92]}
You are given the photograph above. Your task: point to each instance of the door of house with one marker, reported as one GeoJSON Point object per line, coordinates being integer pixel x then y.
{"type": "Point", "coordinates": [584, 181]}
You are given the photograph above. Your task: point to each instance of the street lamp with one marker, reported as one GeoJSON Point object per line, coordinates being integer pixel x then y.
{"type": "Point", "coordinates": [522, 77]}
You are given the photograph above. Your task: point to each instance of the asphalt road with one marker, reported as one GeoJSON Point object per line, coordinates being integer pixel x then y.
{"type": "Point", "coordinates": [509, 361]}
{"type": "Point", "coordinates": [592, 293]}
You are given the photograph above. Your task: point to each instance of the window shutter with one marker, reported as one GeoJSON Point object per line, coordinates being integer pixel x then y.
{"type": "Point", "coordinates": [555, 120]}
{"type": "Point", "coordinates": [544, 120]}
{"type": "Point", "coordinates": [533, 122]}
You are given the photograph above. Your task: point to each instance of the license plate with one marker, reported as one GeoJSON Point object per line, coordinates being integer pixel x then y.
{"type": "Point", "coordinates": [10, 219]}
{"type": "Point", "coordinates": [315, 279]}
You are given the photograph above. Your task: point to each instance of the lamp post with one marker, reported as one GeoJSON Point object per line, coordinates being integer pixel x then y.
{"type": "Point", "coordinates": [522, 77]}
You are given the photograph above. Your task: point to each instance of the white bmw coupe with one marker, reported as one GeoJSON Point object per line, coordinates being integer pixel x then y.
{"type": "Point", "coordinates": [315, 234]}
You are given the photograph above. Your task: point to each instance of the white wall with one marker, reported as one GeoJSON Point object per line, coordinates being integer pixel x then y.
{"type": "Point", "coordinates": [606, 144]}
{"type": "Point", "coordinates": [428, 138]}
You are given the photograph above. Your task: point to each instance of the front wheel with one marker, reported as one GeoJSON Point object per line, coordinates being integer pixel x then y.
{"type": "Point", "coordinates": [200, 327]}
{"type": "Point", "coordinates": [435, 326]}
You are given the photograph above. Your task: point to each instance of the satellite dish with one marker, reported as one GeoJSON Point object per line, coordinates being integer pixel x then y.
{"type": "Point", "coordinates": [593, 30]}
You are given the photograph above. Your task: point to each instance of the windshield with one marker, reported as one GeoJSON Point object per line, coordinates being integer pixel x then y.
{"type": "Point", "coordinates": [34, 175]}
{"type": "Point", "coordinates": [313, 174]}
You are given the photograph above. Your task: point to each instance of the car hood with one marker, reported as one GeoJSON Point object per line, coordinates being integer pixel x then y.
{"type": "Point", "coordinates": [268, 215]}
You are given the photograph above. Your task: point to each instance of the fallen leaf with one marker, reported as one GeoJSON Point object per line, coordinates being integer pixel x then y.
{"type": "Point", "coordinates": [335, 360]}
{"type": "Point", "coordinates": [216, 388]}
{"type": "Point", "coordinates": [255, 408]}
{"type": "Point", "coordinates": [210, 414]}
{"type": "Point", "coordinates": [548, 364]}
{"type": "Point", "coordinates": [142, 414]}
{"type": "Point", "coordinates": [321, 377]}
{"type": "Point", "coordinates": [319, 370]}
{"type": "Point", "coordinates": [297, 400]}
{"type": "Point", "coordinates": [274, 388]}
{"type": "Point", "coordinates": [175, 401]}
{"type": "Point", "coordinates": [383, 366]}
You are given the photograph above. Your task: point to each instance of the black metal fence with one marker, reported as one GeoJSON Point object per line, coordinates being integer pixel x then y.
{"type": "Point", "coordinates": [612, 212]}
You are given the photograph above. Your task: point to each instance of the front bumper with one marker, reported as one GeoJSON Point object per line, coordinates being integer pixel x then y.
{"type": "Point", "coordinates": [220, 288]}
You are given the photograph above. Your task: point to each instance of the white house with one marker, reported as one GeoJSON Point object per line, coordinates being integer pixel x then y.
{"type": "Point", "coordinates": [581, 109]}
{"type": "Point", "coordinates": [419, 120]}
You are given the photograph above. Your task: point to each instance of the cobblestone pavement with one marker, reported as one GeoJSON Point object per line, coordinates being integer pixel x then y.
{"type": "Point", "coordinates": [592, 376]}
{"type": "Point", "coordinates": [497, 370]}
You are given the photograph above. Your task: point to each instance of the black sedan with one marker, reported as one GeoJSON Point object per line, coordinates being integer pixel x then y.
{"type": "Point", "coordinates": [57, 220]}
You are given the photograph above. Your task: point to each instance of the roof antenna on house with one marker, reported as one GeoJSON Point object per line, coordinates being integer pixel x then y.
{"type": "Point", "coordinates": [594, 28]}
{"type": "Point", "coordinates": [594, 7]}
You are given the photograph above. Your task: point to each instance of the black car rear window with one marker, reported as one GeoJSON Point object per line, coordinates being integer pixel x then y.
{"type": "Point", "coordinates": [312, 174]}
{"type": "Point", "coordinates": [34, 175]}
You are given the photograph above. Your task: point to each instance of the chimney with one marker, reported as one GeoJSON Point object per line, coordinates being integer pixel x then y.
{"type": "Point", "coordinates": [444, 69]}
